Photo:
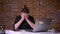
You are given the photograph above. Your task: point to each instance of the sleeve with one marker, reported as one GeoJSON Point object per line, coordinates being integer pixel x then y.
{"type": "Point", "coordinates": [16, 20]}
{"type": "Point", "coordinates": [32, 19]}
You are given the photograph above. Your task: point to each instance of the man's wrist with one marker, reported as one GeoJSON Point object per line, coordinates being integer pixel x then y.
{"type": "Point", "coordinates": [22, 18]}
{"type": "Point", "coordinates": [26, 18]}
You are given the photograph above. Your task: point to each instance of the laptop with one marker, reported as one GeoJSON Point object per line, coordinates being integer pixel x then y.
{"type": "Point", "coordinates": [42, 25]}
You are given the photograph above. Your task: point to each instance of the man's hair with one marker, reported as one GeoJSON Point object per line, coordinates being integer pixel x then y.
{"type": "Point", "coordinates": [25, 9]}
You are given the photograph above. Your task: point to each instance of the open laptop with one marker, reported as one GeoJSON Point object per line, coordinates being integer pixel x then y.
{"type": "Point", "coordinates": [41, 25]}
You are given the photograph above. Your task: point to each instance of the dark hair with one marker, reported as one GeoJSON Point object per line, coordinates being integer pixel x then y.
{"type": "Point", "coordinates": [25, 9]}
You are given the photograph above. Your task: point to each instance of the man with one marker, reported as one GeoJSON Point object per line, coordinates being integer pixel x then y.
{"type": "Point", "coordinates": [24, 20]}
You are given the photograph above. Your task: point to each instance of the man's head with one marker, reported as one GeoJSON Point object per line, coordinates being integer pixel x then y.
{"type": "Point", "coordinates": [25, 11]}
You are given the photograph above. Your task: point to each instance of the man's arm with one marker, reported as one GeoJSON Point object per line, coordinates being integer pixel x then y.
{"type": "Point", "coordinates": [30, 21]}
{"type": "Point", "coordinates": [18, 23]}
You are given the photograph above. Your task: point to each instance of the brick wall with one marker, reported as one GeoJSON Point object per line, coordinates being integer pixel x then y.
{"type": "Point", "coordinates": [58, 16]}
{"type": "Point", "coordinates": [9, 9]}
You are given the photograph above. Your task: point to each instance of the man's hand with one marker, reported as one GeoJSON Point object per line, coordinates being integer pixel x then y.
{"type": "Point", "coordinates": [22, 16]}
{"type": "Point", "coordinates": [26, 17]}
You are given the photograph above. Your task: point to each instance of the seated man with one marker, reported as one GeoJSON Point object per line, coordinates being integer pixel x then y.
{"type": "Point", "coordinates": [24, 20]}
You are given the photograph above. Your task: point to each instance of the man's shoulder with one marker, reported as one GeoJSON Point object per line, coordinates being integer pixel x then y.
{"type": "Point", "coordinates": [30, 16]}
{"type": "Point", "coordinates": [18, 16]}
